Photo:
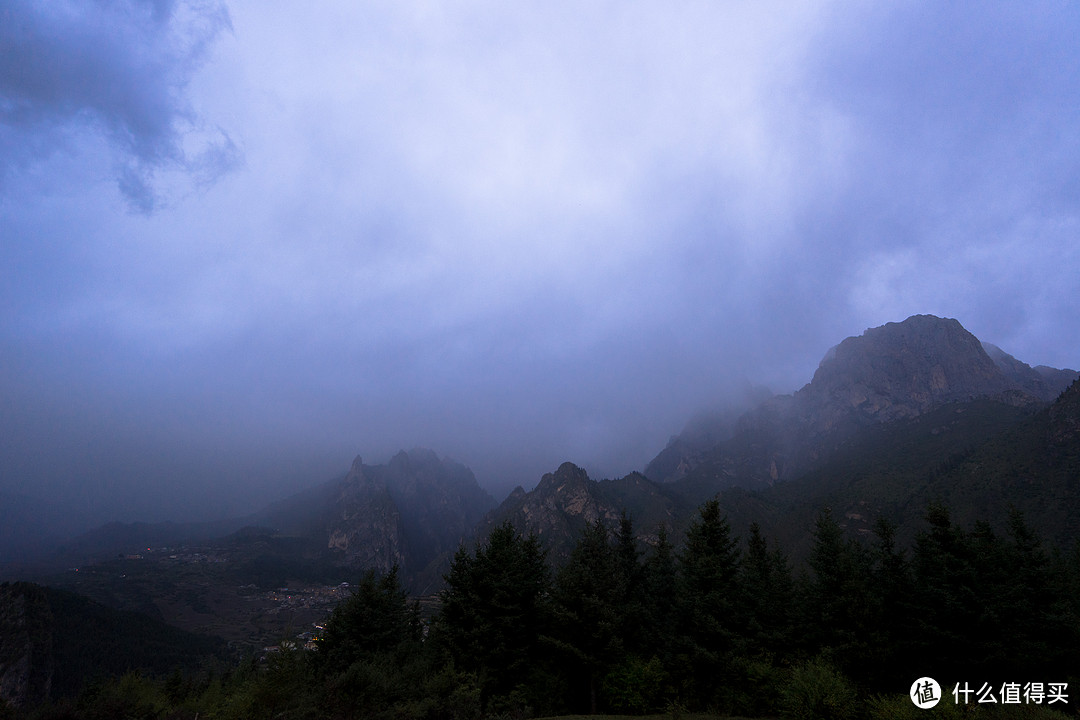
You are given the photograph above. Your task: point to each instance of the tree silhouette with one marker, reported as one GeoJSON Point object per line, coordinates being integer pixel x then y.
{"type": "Point", "coordinates": [495, 609]}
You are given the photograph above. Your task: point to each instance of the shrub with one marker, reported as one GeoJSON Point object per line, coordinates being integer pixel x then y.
{"type": "Point", "coordinates": [636, 687]}
{"type": "Point", "coordinates": [816, 690]}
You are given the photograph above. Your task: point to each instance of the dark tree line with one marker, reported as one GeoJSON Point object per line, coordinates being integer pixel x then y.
{"type": "Point", "coordinates": [716, 623]}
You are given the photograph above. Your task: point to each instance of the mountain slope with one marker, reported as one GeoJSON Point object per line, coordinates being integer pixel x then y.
{"type": "Point", "coordinates": [980, 458]}
{"type": "Point", "coordinates": [52, 640]}
{"type": "Point", "coordinates": [891, 421]}
{"type": "Point", "coordinates": [893, 372]}
{"type": "Point", "coordinates": [1042, 382]}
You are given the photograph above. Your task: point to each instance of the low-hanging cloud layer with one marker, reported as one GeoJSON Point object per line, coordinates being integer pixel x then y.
{"type": "Point", "coordinates": [241, 242]}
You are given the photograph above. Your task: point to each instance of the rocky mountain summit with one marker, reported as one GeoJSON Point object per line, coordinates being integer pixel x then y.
{"type": "Point", "coordinates": [899, 370]}
{"type": "Point", "coordinates": [410, 512]}
{"type": "Point", "coordinates": [893, 372]}
{"type": "Point", "coordinates": [888, 375]}
{"type": "Point", "coordinates": [367, 526]}
{"type": "Point", "coordinates": [917, 396]}
{"type": "Point", "coordinates": [558, 509]}
{"type": "Point", "coordinates": [405, 513]}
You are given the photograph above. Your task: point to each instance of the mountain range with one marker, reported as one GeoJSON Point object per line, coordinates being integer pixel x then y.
{"type": "Point", "coordinates": [906, 414]}
{"type": "Point", "coordinates": [903, 418]}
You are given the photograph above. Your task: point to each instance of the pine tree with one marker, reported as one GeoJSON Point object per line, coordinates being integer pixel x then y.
{"type": "Point", "coordinates": [837, 606]}
{"type": "Point", "coordinates": [630, 576]}
{"type": "Point", "coordinates": [892, 653]}
{"type": "Point", "coordinates": [947, 603]}
{"type": "Point", "coordinates": [377, 618]}
{"type": "Point", "coordinates": [588, 593]}
{"type": "Point", "coordinates": [640, 683]}
{"type": "Point", "coordinates": [1037, 626]}
{"type": "Point", "coordinates": [370, 657]}
{"type": "Point", "coordinates": [708, 605]}
{"type": "Point", "coordinates": [766, 594]}
{"type": "Point", "coordinates": [495, 610]}
{"type": "Point", "coordinates": [660, 579]}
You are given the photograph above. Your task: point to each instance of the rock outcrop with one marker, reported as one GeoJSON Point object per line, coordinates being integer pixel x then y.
{"type": "Point", "coordinates": [564, 502]}
{"type": "Point", "coordinates": [899, 370]}
{"type": "Point", "coordinates": [556, 510]}
{"type": "Point", "coordinates": [367, 528]}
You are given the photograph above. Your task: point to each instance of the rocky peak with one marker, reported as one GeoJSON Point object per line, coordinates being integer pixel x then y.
{"type": "Point", "coordinates": [419, 473]}
{"type": "Point", "coordinates": [409, 470]}
{"type": "Point", "coordinates": [406, 512]}
{"type": "Point", "coordinates": [569, 491]}
{"type": "Point", "coordinates": [557, 509]}
{"type": "Point", "coordinates": [357, 466]}
{"type": "Point", "coordinates": [896, 371]}
{"type": "Point", "coordinates": [357, 483]}
{"type": "Point", "coordinates": [569, 478]}
{"type": "Point", "coordinates": [900, 370]}
{"type": "Point", "coordinates": [366, 525]}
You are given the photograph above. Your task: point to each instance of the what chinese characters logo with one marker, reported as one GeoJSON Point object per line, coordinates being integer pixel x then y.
{"type": "Point", "coordinates": [925, 693]}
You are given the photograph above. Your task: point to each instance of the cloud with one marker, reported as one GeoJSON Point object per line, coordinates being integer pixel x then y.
{"type": "Point", "coordinates": [518, 232]}
{"type": "Point", "coordinates": [963, 136]}
{"type": "Point", "coordinates": [73, 72]}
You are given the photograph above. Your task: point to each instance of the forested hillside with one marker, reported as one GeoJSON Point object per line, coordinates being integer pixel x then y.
{"type": "Point", "coordinates": [705, 622]}
{"type": "Point", "coordinates": [52, 642]}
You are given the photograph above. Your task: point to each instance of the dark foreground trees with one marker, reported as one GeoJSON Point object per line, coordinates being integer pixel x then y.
{"type": "Point", "coordinates": [495, 618]}
{"type": "Point", "coordinates": [712, 624]}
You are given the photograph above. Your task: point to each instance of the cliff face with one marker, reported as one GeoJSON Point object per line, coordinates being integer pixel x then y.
{"type": "Point", "coordinates": [899, 370]}
{"type": "Point", "coordinates": [405, 513]}
{"type": "Point", "coordinates": [440, 502]}
{"type": "Point", "coordinates": [367, 527]}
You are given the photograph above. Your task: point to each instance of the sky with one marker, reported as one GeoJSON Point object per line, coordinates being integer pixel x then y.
{"type": "Point", "coordinates": [244, 241]}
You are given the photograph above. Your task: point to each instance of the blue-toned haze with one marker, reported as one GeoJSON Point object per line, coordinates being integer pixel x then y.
{"type": "Point", "coordinates": [243, 241]}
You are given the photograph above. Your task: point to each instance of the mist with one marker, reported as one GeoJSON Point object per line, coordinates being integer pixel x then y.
{"type": "Point", "coordinates": [242, 244]}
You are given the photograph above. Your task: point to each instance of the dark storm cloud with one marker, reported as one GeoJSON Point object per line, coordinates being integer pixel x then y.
{"type": "Point", "coordinates": [75, 70]}
{"type": "Point", "coordinates": [516, 233]}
